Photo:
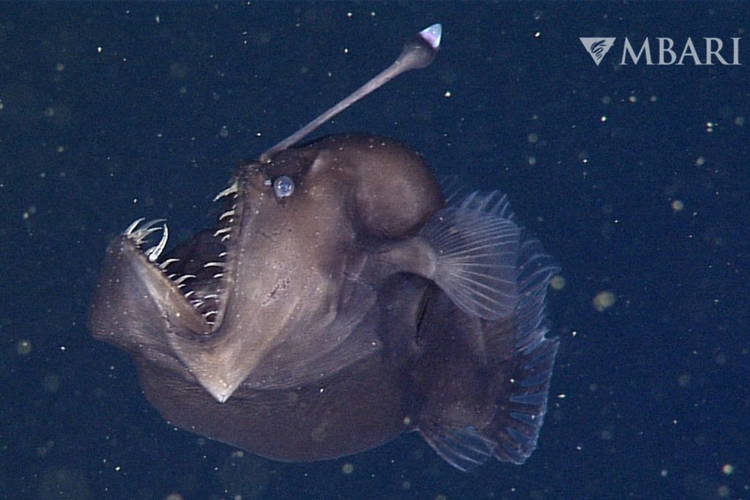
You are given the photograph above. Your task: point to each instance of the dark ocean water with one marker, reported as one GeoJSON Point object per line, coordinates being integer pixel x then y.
{"type": "Point", "coordinates": [635, 177]}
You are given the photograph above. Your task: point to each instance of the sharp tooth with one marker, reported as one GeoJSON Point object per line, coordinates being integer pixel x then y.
{"type": "Point", "coordinates": [153, 253]}
{"type": "Point", "coordinates": [230, 190]}
{"type": "Point", "coordinates": [213, 264]}
{"type": "Point", "coordinates": [128, 231]}
{"type": "Point", "coordinates": [164, 264]}
{"type": "Point", "coordinates": [140, 234]}
{"type": "Point", "coordinates": [222, 231]}
{"type": "Point", "coordinates": [226, 214]}
{"type": "Point", "coordinates": [150, 225]}
{"type": "Point", "coordinates": [183, 278]}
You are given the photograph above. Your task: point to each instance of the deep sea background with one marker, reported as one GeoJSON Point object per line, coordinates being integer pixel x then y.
{"type": "Point", "coordinates": [636, 178]}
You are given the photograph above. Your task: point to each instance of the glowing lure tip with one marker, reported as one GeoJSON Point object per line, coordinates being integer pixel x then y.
{"type": "Point", "coordinates": [432, 35]}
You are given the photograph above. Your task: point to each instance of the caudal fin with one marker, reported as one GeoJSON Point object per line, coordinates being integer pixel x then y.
{"type": "Point", "coordinates": [511, 433]}
{"type": "Point", "coordinates": [489, 397]}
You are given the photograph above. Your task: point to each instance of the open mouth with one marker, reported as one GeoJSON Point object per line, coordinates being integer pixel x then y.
{"type": "Point", "coordinates": [197, 267]}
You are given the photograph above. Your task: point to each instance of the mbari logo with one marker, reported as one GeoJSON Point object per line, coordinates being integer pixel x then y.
{"type": "Point", "coordinates": [597, 47]}
{"type": "Point", "coordinates": [710, 52]}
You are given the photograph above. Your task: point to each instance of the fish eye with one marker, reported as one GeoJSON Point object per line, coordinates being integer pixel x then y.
{"type": "Point", "coordinates": [283, 186]}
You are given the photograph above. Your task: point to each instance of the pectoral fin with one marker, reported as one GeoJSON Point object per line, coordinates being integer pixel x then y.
{"type": "Point", "coordinates": [475, 248]}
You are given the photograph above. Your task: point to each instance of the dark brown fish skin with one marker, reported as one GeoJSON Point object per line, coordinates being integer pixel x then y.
{"type": "Point", "coordinates": [354, 410]}
{"type": "Point", "coordinates": [326, 321]}
{"type": "Point", "coordinates": [356, 194]}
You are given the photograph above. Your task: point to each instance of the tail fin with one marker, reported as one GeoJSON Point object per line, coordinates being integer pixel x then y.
{"type": "Point", "coordinates": [522, 404]}
{"type": "Point", "coordinates": [485, 380]}
{"type": "Point", "coordinates": [519, 404]}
